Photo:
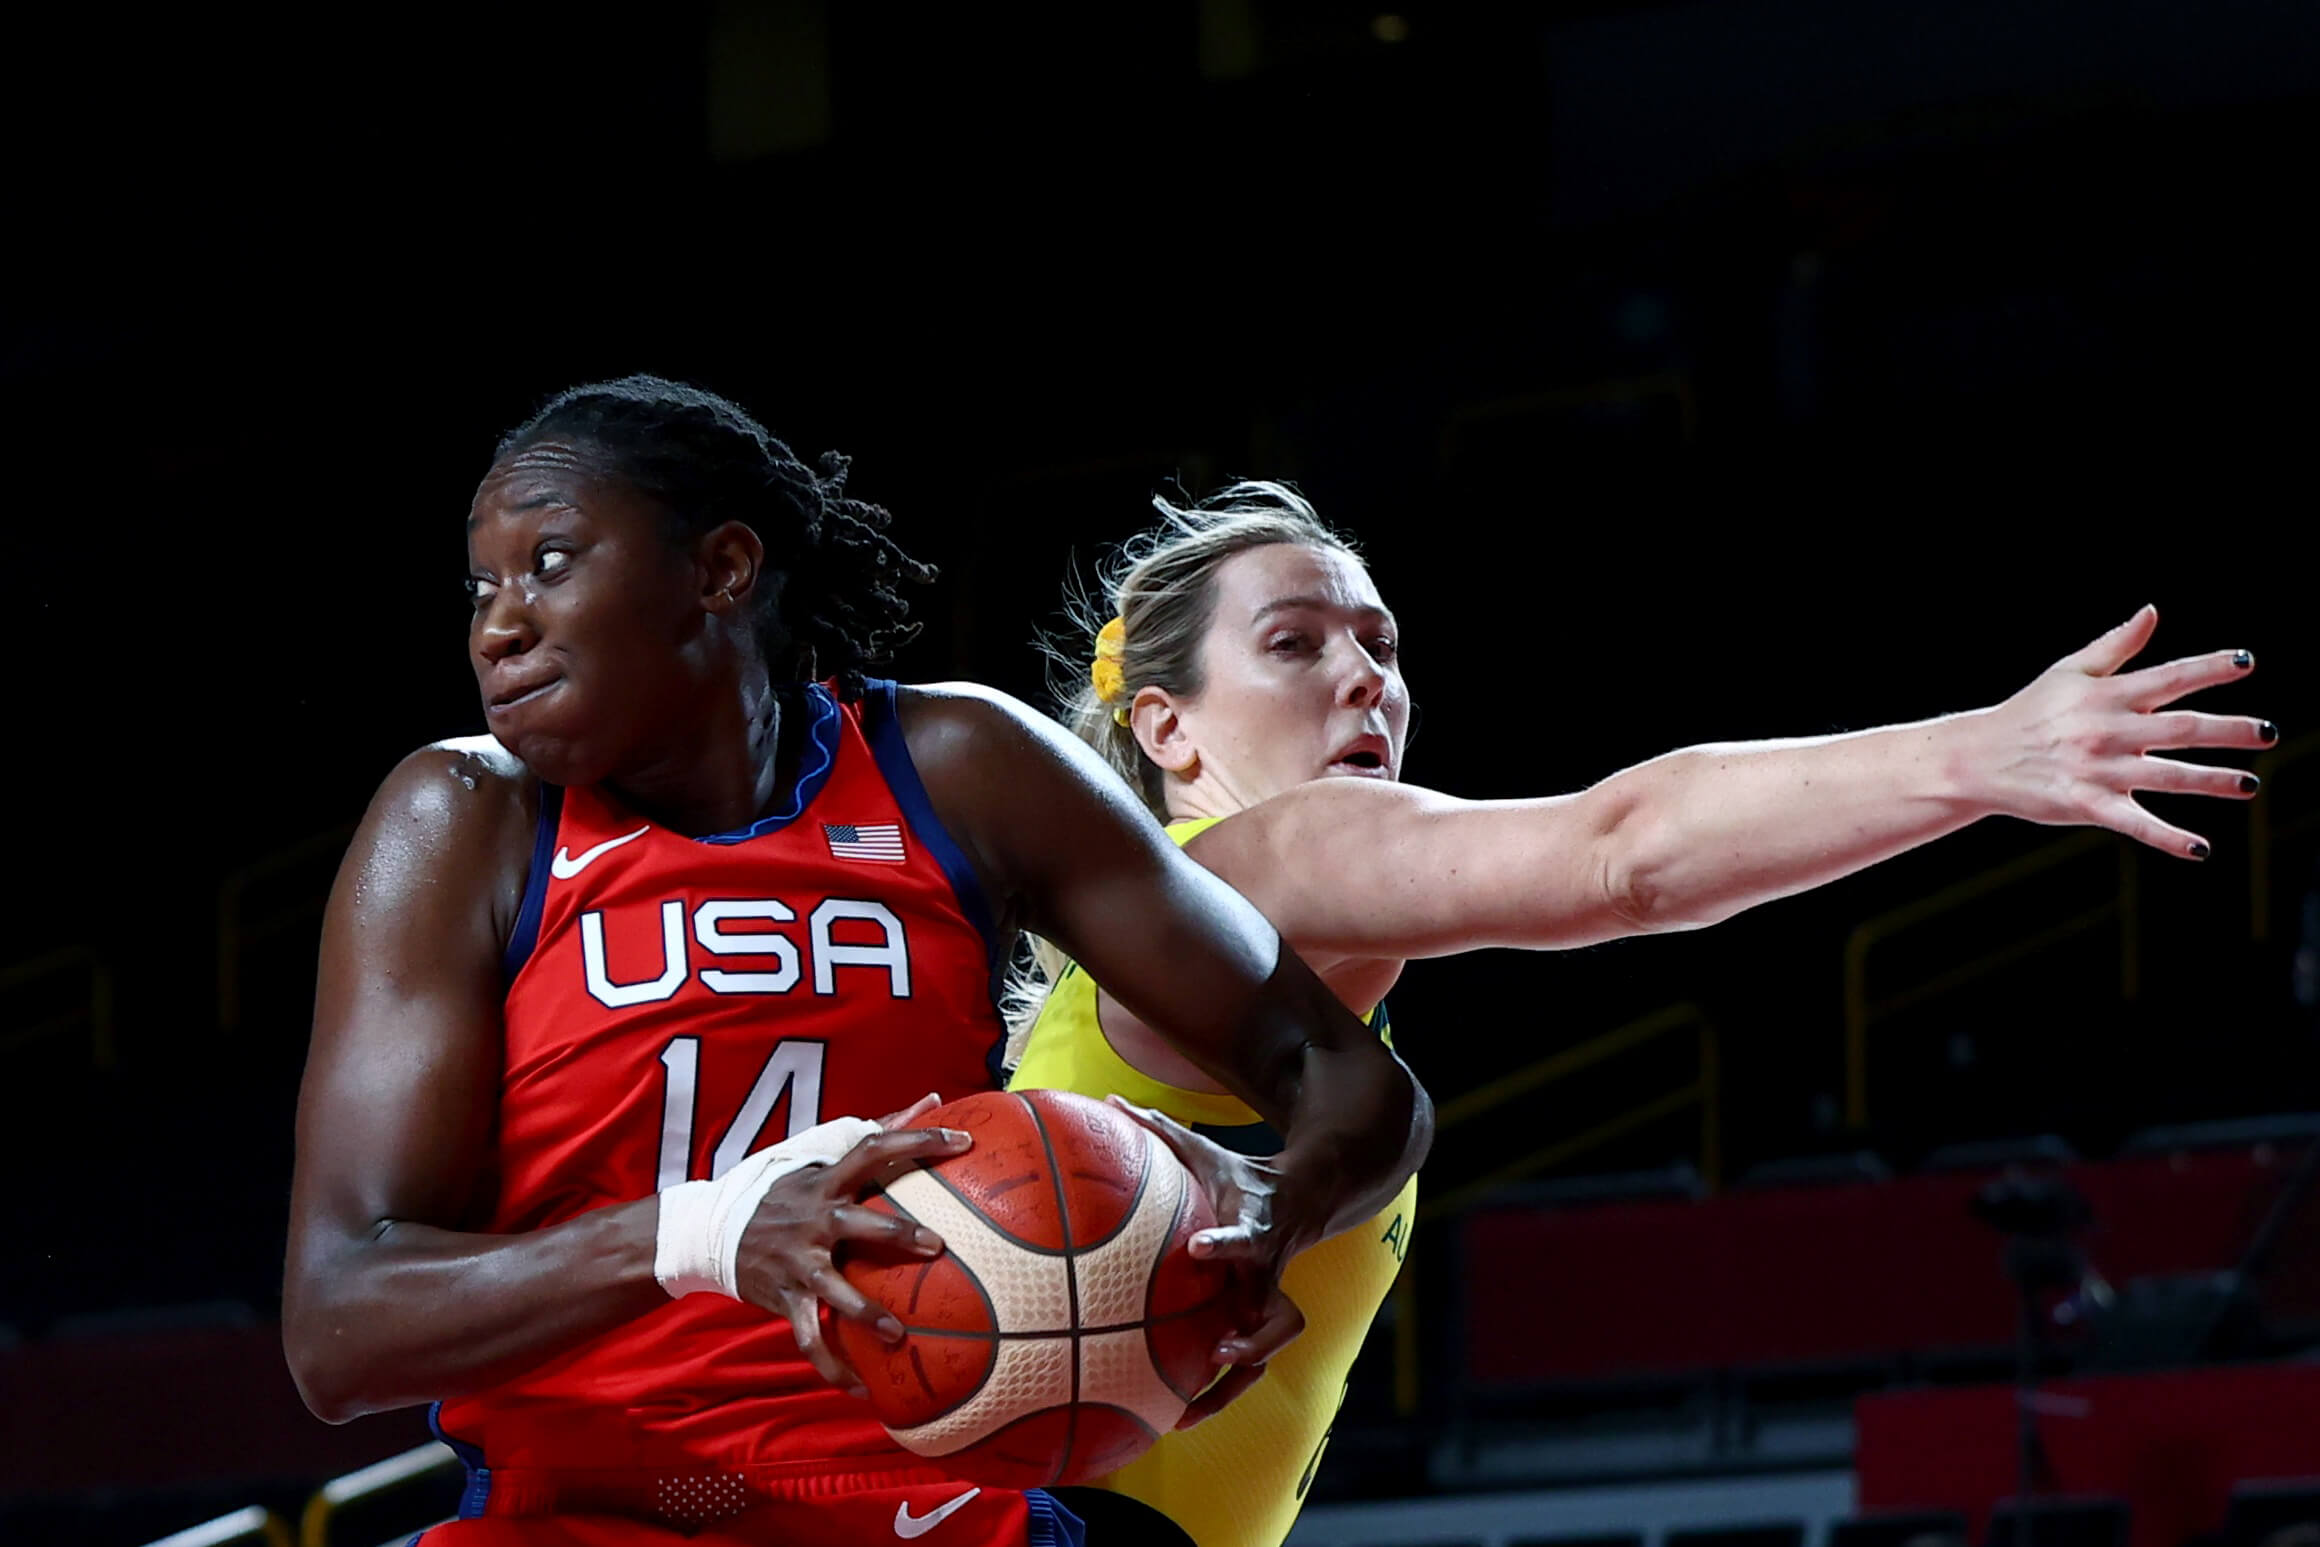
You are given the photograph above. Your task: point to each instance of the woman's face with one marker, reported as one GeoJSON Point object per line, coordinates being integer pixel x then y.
{"type": "Point", "coordinates": [1300, 676]}
{"type": "Point", "coordinates": [588, 628]}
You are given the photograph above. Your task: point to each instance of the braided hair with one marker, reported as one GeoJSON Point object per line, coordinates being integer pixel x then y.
{"type": "Point", "coordinates": [830, 603]}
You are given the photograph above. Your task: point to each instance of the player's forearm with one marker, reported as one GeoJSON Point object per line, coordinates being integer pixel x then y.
{"type": "Point", "coordinates": [410, 1313]}
{"type": "Point", "coordinates": [1361, 1129]}
{"type": "Point", "coordinates": [1355, 1123]}
{"type": "Point", "coordinates": [1708, 831]}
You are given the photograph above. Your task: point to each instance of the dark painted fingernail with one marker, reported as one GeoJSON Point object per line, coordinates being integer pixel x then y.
{"type": "Point", "coordinates": [2269, 732]}
{"type": "Point", "coordinates": [2249, 784]}
{"type": "Point", "coordinates": [2198, 849]}
{"type": "Point", "coordinates": [2242, 659]}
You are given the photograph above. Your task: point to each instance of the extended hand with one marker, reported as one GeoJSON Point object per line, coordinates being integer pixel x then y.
{"type": "Point", "coordinates": [2076, 744]}
{"type": "Point", "coordinates": [1240, 1191]}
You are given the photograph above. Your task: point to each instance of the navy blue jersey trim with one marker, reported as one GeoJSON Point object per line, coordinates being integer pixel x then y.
{"type": "Point", "coordinates": [882, 725]}
{"type": "Point", "coordinates": [526, 934]}
{"type": "Point", "coordinates": [478, 1490]}
{"type": "Point", "coordinates": [821, 756]}
{"type": "Point", "coordinates": [1052, 1525]}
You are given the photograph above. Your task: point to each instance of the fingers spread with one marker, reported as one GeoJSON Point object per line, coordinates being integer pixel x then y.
{"type": "Point", "coordinates": [2184, 728]}
{"type": "Point", "coordinates": [806, 1326]}
{"type": "Point", "coordinates": [845, 1300]}
{"type": "Point", "coordinates": [2168, 776]}
{"type": "Point", "coordinates": [2113, 650]}
{"type": "Point", "coordinates": [2122, 815]}
{"type": "Point", "coordinates": [2157, 685]}
{"type": "Point", "coordinates": [911, 1113]}
{"type": "Point", "coordinates": [884, 1156]}
{"type": "Point", "coordinates": [875, 1228]}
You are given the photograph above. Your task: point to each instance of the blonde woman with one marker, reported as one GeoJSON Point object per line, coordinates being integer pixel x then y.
{"type": "Point", "coordinates": [1248, 686]}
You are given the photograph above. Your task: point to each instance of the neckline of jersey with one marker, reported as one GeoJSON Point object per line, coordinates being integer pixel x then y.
{"type": "Point", "coordinates": [821, 756]}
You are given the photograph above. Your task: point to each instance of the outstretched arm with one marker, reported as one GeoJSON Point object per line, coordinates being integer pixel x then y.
{"type": "Point", "coordinates": [1350, 869]}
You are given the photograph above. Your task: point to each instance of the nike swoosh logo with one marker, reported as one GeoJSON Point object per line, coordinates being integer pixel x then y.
{"type": "Point", "coordinates": [907, 1525]}
{"type": "Point", "coordinates": [564, 867]}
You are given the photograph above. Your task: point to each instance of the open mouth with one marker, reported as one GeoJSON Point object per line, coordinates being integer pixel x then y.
{"type": "Point", "coordinates": [1368, 757]}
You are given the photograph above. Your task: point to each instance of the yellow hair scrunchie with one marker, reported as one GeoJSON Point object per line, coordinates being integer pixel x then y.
{"type": "Point", "coordinates": [1104, 673]}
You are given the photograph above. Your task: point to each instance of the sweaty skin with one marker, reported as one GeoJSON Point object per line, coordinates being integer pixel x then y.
{"type": "Point", "coordinates": [607, 653]}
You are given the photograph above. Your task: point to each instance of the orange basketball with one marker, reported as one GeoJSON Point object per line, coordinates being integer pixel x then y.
{"type": "Point", "coordinates": [1065, 1327]}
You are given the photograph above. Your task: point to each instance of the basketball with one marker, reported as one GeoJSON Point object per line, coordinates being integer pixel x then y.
{"type": "Point", "coordinates": [1065, 1327]}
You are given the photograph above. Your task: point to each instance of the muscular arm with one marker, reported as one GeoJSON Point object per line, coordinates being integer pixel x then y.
{"type": "Point", "coordinates": [1353, 870]}
{"type": "Point", "coordinates": [386, 1301]}
{"type": "Point", "coordinates": [1080, 863]}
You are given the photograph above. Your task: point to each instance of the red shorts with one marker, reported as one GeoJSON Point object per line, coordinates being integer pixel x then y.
{"type": "Point", "coordinates": [752, 1507]}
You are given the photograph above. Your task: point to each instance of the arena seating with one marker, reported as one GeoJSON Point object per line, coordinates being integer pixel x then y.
{"type": "Point", "coordinates": [1822, 1274]}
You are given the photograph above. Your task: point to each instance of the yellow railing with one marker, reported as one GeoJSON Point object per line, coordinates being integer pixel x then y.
{"type": "Point", "coordinates": [94, 1010]}
{"type": "Point", "coordinates": [2266, 832]}
{"type": "Point", "coordinates": [1702, 1092]}
{"type": "Point", "coordinates": [1562, 1065]}
{"type": "Point", "coordinates": [1861, 1011]}
{"type": "Point", "coordinates": [241, 925]}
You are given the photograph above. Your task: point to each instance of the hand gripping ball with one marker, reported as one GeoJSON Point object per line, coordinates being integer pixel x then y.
{"type": "Point", "coordinates": [1065, 1327]}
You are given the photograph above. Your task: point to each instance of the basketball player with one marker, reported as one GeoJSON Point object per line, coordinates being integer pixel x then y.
{"type": "Point", "coordinates": [1249, 689]}
{"type": "Point", "coordinates": [685, 901]}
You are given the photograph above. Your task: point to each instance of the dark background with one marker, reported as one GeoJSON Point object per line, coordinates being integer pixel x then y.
{"type": "Point", "coordinates": [1687, 372]}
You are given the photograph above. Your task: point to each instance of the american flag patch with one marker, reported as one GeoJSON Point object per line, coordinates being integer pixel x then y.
{"type": "Point", "coordinates": [878, 844]}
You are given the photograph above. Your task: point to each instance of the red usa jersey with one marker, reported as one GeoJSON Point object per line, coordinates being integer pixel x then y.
{"type": "Point", "coordinates": [675, 1003]}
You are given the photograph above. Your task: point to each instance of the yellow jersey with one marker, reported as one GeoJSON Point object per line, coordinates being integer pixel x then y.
{"type": "Point", "coordinates": [1239, 1479]}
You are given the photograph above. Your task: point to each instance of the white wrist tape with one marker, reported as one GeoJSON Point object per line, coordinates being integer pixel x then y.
{"type": "Point", "coordinates": [701, 1222]}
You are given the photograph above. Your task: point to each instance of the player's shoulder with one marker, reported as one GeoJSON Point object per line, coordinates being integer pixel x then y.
{"type": "Point", "coordinates": [445, 846]}
{"type": "Point", "coordinates": [961, 707]}
{"type": "Point", "coordinates": [461, 790]}
{"type": "Point", "coordinates": [1306, 812]}
{"type": "Point", "coordinates": [966, 727]}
